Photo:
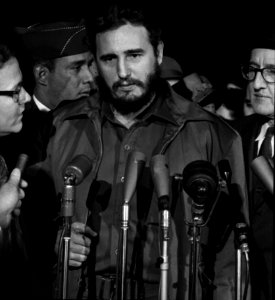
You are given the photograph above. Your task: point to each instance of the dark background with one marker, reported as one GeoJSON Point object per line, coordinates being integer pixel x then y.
{"type": "Point", "coordinates": [203, 36]}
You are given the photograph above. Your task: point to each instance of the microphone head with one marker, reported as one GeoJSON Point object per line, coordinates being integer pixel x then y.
{"type": "Point", "coordinates": [160, 173]}
{"type": "Point", "coordinates": [135, 164]}
{"type": "Point", "coordinates": [200, 181]}
{"type": "Point", "coordinates": [79, 167]}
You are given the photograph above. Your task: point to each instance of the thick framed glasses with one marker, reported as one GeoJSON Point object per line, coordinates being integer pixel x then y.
{"type": "Point", "coordinates": [249, 73]}
{"type": "Point", "coordinates": [15, 95]}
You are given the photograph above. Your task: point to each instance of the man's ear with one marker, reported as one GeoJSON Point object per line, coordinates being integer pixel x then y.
{"type": "Point", "coordinates": [160, 52]}
{"type": "Point", "coordinates": [41, 74]}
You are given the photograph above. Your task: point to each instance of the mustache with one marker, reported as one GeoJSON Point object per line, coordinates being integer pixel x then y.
{"type": "Point", "coordinates": [124, 82]}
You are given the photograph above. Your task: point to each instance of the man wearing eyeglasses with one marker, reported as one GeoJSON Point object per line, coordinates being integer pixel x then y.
{"type": "Point", "coordinates": [61, 64]}
{"type": "Point", "coordinates": [257, 131]}
{"type": "Point", "coordinates": [13, 98]}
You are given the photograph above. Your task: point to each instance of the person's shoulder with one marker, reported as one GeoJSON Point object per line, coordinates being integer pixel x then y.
{"type": "Point", "coordinates": [77, 108]}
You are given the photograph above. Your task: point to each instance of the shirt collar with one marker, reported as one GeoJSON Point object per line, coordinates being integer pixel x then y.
{"type": "Point", "coordinates": [40, 105]}
{"type": "Point", "coordinates": [262, 133]}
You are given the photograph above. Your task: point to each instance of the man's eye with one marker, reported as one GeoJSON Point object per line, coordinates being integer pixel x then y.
{"type": "Point", "coordinates": [251, 69]}
{"type": "Point", "coordinates": [134, 55]}
{"type": "Point", "coordinates": [76, 68]}
{"type": "Point", "coordinates": [108, 59]}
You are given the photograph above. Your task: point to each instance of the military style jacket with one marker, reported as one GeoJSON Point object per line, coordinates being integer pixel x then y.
{"type": "Point", "coordinates": [190, 133]}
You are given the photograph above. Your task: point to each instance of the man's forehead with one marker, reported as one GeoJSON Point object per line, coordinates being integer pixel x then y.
{"type": "Point", "coordinates": [10, 74]}
{"type": "Point", "coordinates": [126, 37]}
{"type": "Point", "coordinates": [264, 55]}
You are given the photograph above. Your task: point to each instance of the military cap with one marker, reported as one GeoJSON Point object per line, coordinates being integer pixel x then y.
{"type": "Point", "coordinates": [170, 68]}
{"type": "Point", "coordinates": [56, 39]}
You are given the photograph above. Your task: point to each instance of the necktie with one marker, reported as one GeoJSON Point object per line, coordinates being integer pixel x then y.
{"type": "Point", "coordinates": [266, 149]}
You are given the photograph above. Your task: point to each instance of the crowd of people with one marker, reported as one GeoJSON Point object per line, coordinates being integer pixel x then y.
{"type": "Point", "coordinates": [99, 109]}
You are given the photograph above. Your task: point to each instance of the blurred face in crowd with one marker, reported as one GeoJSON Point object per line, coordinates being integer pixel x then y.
{"type": "Point", "coordinates": [71, 78]}
{"type": "Point", "coordinates": [11, 106]}
{"type": "Point", "coordinates": [262, 92]}
{"type": "Point", "coordinates": [128, 65]}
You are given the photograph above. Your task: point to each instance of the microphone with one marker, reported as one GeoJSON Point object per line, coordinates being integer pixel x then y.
{"type": "Point", "coordinates": [73, 174]}
{"type": "Point", "coordinates": [241, 236]}
{"type": "Point", "coordinates": [134, 167]}
{"type": "Point", "coordinates": [160, 173]}
{"type": "Point", "coordinates": [264, 171]}
{"type": "Point", "coordinates": [78, 168]}
{"type": "Point", "coordinates": [22, 162]}
{"type": "Point", "coordinates": [200, 182]}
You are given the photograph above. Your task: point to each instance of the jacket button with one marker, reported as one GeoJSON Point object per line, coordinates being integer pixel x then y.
{"type": "Point", "coordinates": [127, 147]}
{"type": "Point", "coordinates": [122, 179]}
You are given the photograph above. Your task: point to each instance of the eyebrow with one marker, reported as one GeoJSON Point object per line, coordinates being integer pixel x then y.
{"type": "Point", "coordinates": [252, 63]}
{"type": "Point", "coordinates": [134, 51]}
{"type": "Point", "coordinates": [81, 62]}
{"type": "Point", "coordinates": [17, 85]}
{"type": "Point", "coordinates": [127, 52]}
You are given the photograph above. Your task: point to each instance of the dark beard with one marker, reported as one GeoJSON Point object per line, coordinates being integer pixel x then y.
{"type": "Point", "coordinates": [124, 105]}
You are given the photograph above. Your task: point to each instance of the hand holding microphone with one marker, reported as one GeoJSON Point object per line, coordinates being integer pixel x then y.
{"type": "Point", "coordinates": [80, 243]}
{"type": "Point", "coordinates": [11, 193]}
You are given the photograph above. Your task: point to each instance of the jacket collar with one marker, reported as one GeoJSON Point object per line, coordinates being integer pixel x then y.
{"type": "Point", "coordinates": [80, 108]}
{"type": "Point", "coordinates": [179, 109]}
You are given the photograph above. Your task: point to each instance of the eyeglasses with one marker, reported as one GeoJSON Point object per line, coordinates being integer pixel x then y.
{"type": "Point", "coordinates": [15, 95]}
{"type": "Point", "coordinates": [249, 73]}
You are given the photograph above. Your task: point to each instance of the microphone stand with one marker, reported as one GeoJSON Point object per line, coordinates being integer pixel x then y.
{"type": "Point", "coordinates": [122, 257]}
{"type": "Point", "coordinates": [134, 166]}
{"type": "Point", "coordinates": [67, 211]}
{"type": "Point", "coordinates": [164, 261]}
{"type": "Point", "coordinates": [239, 274]}
{"type": "Point", "coordinates": [242, 248]}
{"type": "Point", "coordinates": [160, 174]}
{"type": "Point", "coordinates": [194, 233]}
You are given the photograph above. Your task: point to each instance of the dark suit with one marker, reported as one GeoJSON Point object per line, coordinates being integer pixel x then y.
{"type": "Point", "coordinates": [261, 212]}
{"type": "Point", "coordinates": [39, 207]}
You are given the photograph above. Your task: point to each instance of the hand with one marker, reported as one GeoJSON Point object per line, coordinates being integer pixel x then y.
{"type": "Point", "coordinates": [80, 243]}
{"type": "Point", "coordinates": [11, 193]}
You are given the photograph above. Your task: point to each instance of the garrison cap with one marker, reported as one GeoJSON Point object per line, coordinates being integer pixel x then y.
{"type": "Point", "coordinates": [170, 68]}
{"type": "Point", "coordinates": [54, 40]}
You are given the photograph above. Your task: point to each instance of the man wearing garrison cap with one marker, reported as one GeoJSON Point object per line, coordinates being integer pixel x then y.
{"type": "Point", "coordinates": [61, 62]}
{"type": "Point", "coordinates": [257, 131]}
{"type": "Point", "coordinates": [61, 65]}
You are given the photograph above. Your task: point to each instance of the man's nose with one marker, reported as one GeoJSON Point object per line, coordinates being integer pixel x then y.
{"type": "Point", "coordinates": [123, 69]}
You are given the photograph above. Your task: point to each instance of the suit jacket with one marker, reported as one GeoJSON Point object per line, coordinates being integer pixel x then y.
{"type": "Point", "coordinates": [249, 128]}
{"type": "Point", "coordinates": [261, 212]}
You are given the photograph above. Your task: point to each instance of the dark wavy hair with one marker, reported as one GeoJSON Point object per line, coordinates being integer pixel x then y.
{"type": "Point", "coordinates": [7, 45]}
{"type": "Point", "coordinates": [116, 14]}
{"type": "Point", "coordinates": [11, 45]}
